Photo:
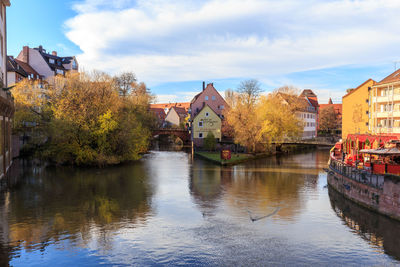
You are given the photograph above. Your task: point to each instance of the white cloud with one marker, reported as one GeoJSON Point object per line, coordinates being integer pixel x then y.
{"type": "Point", "coordinates": [195, 40]}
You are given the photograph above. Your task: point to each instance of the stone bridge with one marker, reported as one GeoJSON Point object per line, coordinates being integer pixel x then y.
{"type": "Point", "coordinates": [182, 134]}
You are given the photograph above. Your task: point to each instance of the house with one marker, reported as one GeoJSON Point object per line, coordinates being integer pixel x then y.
{"type": "Point", "coordinates": [6, 101]}
{"type": "Point", "coordinates": [205, 121]}
{"type": "Point", "coordinates": [176, 116]}
{"type": "Point", "coordinates": [313, 100]}
{"type": "Point", "coordinates": [47, 64]}
{"type": "Point", "coordinates": [159, 114]}
{"type": "Point", "coordinates": [338, 111]}
{"type": "Point", "coordinates": [355, 110]}
{"type": "Point", "coordinates": [208, 96]}
{"type": "Point", "coordinates": [18, 70]}
{"type": "Point", "coordinates": [384, 105]}
{"type": "Point", "coordinates": [305, 111]}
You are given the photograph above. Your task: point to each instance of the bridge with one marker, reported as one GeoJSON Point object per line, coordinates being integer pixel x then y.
{"type": "Point", "coordinates": [182, 134]}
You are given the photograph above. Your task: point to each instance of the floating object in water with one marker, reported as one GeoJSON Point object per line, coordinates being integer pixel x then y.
{"type": "Point", "coordinates": [253, 219]}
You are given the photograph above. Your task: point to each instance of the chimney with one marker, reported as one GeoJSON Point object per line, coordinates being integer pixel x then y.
{"type": "Point", "coordinates": [204, 85]}
{"type": "Point", "coordinates": [40, 48]}
{"type": "Point", "coordinates": [54, 53]}
{"type": "Point", "coordinates": [25, 54]}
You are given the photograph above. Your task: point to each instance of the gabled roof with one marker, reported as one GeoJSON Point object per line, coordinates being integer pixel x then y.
{"type": "Point", "coordinates": [336, 107]}
{"type": "Point", "coordinates": [206, 105]}
{"type": "Point", "coordinates": [46, 56]}
{"type": "Point", "coordinates": [180, 111]}
{"type": "Point", "coordinates": [12, 65]}
{"type": "Point", "coordinates": [358, 87]}
{"type": "Point", "coordinates": [393, 77]}
{"type": "Point", "coordinates": [27, 68]}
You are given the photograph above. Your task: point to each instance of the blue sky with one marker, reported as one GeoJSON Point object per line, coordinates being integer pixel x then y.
{"type": "Point", "coordinates": [173, 45]}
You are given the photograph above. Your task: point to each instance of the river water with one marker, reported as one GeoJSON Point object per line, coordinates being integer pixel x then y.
{"type": "Point", "coordinates": [169, 210]}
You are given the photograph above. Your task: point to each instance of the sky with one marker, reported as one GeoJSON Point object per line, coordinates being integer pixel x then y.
{"type": "Point", "coordinates": [324, 45]}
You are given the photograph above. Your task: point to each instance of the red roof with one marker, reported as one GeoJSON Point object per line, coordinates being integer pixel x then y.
{"type": "Point", "coordinates": [394, 77]}
{"type": "Point", "coordinates": [184, 105]}
{"type": "Point", "coordinates": [159, 112]}
{"type": "Point", "coordinates": [27, 68]}
{"type": "Point", "coordinates": [336, 107]}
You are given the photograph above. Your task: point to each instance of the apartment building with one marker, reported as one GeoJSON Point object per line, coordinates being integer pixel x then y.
{"type": "Point", "coordinates": [384, 105]}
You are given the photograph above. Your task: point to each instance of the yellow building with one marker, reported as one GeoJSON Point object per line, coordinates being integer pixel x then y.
{"type": "Point", "coordinates": [355, 110]}
{"type": "Point", "coordinates": [385, 105]}
{"type": "Point", "coordinates": [205, 121]}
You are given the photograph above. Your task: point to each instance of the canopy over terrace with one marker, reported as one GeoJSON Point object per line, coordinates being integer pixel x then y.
{"type": "Point", "coordinates": [356, 142]}
{"type": "Point", "coordinates": [393, 151]}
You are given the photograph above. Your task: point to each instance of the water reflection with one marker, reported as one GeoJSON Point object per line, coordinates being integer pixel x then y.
{"type": "Point", "coordinates": [379, 231]}
{"type": "Point", "coordinates": [48, 205]}
{"type": "Point", "coordinates": [169, 210]}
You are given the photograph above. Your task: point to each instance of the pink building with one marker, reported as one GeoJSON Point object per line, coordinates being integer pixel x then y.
{"type": "Point", "coordinates": [211, 97]}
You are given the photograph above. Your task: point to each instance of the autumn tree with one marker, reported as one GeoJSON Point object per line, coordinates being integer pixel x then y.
{"type": "Point", "coordinates": [88, 122]}
{"type": "Point", "coordinates": [262, 120]}
{"type": "Point", "coordinates": [328, 120]}
{"type": "Point", "coordinates": [242, 115]}
{"type": "Point", "coordinates": [125, 82]}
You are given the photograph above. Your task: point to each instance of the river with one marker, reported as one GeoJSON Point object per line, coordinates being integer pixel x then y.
{"type": "Point", "coordinates": [169, 210]}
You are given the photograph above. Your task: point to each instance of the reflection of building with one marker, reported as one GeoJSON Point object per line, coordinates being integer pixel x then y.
{"type": "Point", "coordinates": [379, 231]}
{"type": "Point", "coordinates": [355, 109]}
{"type": "Point", "coordinates": [384, 109]}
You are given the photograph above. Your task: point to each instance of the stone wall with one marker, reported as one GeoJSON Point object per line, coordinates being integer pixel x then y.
{"type": "Point", "coordinates": [384, 200]}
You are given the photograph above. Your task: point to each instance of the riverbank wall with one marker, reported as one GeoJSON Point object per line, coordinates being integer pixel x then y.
{"type": "Point", "coordinates": [380, 193]}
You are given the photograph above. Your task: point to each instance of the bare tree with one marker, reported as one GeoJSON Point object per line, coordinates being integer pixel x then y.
{"type": "Point", "coordinates": [125, 82]}
{"type": "Point", "coordinates": [249, 90]}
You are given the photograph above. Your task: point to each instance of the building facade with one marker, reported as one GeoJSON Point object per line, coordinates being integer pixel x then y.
{"type": "Point", "coordinates": [176, 116]}
{"type": "Point", "coordinates": [47, 64]}
{"type": "Point", "coordinates": [205, 121]}
{"type": "Point", "coordinates": [6, 102]}
{"type": "Point", "coordinates": [208, 96]}
{"type": "Point", "coordinates": [355, 110]}
{"type": "Point", "coordinates": [384, 105]}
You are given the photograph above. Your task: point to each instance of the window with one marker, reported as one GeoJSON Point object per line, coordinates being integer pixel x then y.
{"type": "Point", "coordinates": [58, 71]}
{"type": "Point", "coordinates": [221, 107]}
{"type": "Point", "coordinates": [213, 97]}
{"type": "Point", "coordinates": [51, 61]}
{"type": "Point", "coordinates": [200, 123]}
{"type": "Point", "coordinates": [74, 65]}
{"type": "Point", "coordinates": [200, 135]}
{"type": "Point", "coordinates": [207, 114]}
{"type": "Point", "coordinates": [206, 97]}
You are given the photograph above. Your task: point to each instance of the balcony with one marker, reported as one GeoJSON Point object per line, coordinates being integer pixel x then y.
{"type": "Point", "coordinates": [387, 114]}
{"type": "Point", "coordinates": [388, 98]}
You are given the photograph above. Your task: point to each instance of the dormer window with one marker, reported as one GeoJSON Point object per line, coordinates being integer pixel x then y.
{"type": "Point", "coordinates": [51, 61]}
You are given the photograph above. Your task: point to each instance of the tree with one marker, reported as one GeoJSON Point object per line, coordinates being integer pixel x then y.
{"type": "Point", "coordinates": [328, 120]}
{"type": "Point", "coordinates": [87, 122]}
{"type": "Point", "coordinates": [125, 82]}
{"type": "Point", "coordinates": [262, 120]}
{"type": "Point", "coordinates": [249, 90]}
{"type": "Point", "coordinates": [210, 142]}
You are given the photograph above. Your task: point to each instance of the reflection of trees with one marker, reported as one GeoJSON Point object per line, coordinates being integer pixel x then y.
{"type": "Point", "coordinates": [378, 230]}
{"type": "Point", "coordinates": [206, 184]}
{"type": "Point", "coordinates": [276, 181]}
{"type": "Point", "coordinates": [55, 203]}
